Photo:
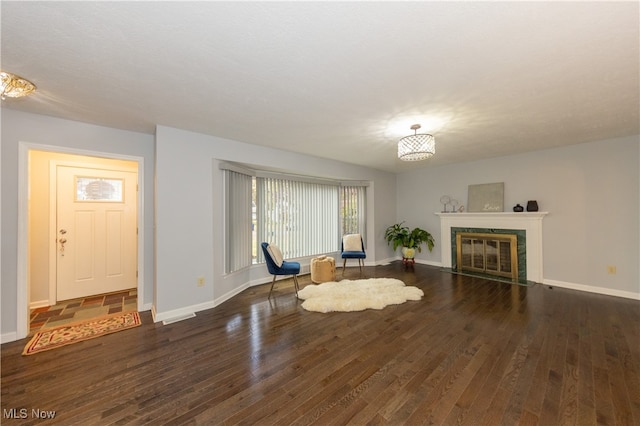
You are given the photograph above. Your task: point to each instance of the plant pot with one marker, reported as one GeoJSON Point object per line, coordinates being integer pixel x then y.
{"type": "Point", "coordinates": [408, 253]}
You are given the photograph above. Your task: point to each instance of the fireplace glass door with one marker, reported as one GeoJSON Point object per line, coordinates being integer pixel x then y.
{"type": "Point", "coordinates": [492, 254]}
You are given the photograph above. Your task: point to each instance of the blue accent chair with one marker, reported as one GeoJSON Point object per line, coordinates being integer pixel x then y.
{"type": "Point", "coordinates": [351, 250]}
{"type": "Point", "coordinates": [287, 268]}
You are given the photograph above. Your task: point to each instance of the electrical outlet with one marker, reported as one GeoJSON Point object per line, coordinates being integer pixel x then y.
{"type": "Point", "coordinates": [611, 269]}
{"type": "Point", "coordinates": [201, 281]}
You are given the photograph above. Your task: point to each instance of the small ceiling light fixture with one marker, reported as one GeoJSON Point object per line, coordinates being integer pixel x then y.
{"type": "Point", "coordinates": [14, 86]}
{"type": "Point", "coordinates": [416, 147]}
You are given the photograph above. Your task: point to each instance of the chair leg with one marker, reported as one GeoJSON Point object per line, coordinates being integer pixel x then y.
{"type": "Point", "coordinates": [295, 282]}
{"type": "Point", "coordinates": [360, 264]}
{"type": "Point", "coordinates": [272, 283]}
{"type": "Point", "coordinates": [344, 264]}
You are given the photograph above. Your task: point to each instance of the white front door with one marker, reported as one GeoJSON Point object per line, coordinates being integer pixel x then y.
{"type": "Point", "coordinates": [96, 231]}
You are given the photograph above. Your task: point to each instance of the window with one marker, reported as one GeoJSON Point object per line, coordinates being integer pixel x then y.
{"type": "Point", "coordinates": [99, 189]}
{"type": "Point", "coordinates": [304, 216]}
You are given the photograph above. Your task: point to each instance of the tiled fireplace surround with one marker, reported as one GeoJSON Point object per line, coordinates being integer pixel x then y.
{"type": "Point", "coordinates": [530, 222]}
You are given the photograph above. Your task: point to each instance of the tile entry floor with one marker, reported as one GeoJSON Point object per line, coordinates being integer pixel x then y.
{"type": "Point", "coordinates": [73, 310]}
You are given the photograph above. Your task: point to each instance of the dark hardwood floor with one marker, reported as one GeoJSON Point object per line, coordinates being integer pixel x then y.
{"type": "Point", "coordinates": [472, 352]}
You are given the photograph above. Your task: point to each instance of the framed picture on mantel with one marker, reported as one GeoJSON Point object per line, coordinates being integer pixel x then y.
{"type": "Point", "coordinates": [486, 197]}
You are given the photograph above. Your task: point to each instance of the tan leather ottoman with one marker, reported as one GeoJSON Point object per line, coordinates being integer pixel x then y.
{"type": "Point", "coordinates": [323, 269]}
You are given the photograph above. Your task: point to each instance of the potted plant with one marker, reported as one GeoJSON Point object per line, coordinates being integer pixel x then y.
{"type": "Point", "coordinates": [410, 240]}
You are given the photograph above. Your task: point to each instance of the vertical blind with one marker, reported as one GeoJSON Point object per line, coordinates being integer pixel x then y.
{"type": "Point", "coordinates": [299, 217]}
{"type": "Point", "coordinates": [352, 210]}
{"type": "Point", "coordinates": [238, 209]}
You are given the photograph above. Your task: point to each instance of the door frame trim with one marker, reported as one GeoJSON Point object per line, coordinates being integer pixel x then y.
{"type": "Point", "coordinates": [23, 290]}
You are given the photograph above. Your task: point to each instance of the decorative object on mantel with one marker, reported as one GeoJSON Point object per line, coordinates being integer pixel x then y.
{"type": "Point", "coordinates": [486, 197]}
{"type": "Point", "coordinates": [416, 147]}
{"type": "Point", "coordinates": [532, 206]}
{"type": "Point", "coordinates": [445, 199]}
{"type": "Point", "coordinates": [454, 203]}
{"type": "Point", "coordinates": [461, 209]}
{"type": "Point", "coordinates": [518, 208]}
{"type": "Point", "coordinates": [410, 241]}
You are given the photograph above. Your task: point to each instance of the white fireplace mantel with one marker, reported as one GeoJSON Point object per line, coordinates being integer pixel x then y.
{"type": "Point", "coordinates": [530, 222]}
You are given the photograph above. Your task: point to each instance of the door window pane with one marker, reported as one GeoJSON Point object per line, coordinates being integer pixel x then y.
{"type": "Point", "coordinates": [99, 189]}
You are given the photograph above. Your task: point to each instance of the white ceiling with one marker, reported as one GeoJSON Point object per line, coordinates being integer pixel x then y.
{"type": "Point", "coordinates": [342, 80]}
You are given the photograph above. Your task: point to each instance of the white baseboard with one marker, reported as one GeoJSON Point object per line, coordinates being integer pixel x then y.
{"type": "Point", "coordinates": [420, 261]}
{"type": "Point", "coordinates": [9, 337]}
{"type": "Point", "coordinates": [190, 311]}
{"type": "Point", "coordinates": [176, 319]}
{"type": "Point", "coordinates": [228, 295]}
{"type": "Point", "coordinates": [180, 313]}
{"type": "Point", "coordinates": [39, 304]}
{"type": "Point", "coordinates": [428, 262]}
{"type": "Point", "coordinates": [592, 289]}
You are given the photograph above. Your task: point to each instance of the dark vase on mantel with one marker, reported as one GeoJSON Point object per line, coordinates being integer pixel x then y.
{"type": "Point", "coordinates": [532, 206]}
{"type": "Point", "coordinates": [518, 208]}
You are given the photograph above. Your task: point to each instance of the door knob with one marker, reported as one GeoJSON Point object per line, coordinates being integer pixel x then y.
{"type": "Point", "coordinates": [62, 241]}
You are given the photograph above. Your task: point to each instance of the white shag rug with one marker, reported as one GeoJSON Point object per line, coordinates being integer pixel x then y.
{"type": "Point", "coordinates": [357, 295]}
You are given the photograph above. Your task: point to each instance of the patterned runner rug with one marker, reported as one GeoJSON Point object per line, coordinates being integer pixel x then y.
{"type": "Point", "coordinates": [53, 338]}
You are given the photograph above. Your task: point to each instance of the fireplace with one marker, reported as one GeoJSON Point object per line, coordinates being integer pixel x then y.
{"type": "Point", "coordinates": [504, 245]}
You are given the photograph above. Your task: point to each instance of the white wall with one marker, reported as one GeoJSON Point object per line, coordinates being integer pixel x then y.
{"type": "Point", "coordinates": [590, 190]}
{"type": "Point", "coordinates": [33, 129]}
{"type": "Point", "coordinates": [189, 213]}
